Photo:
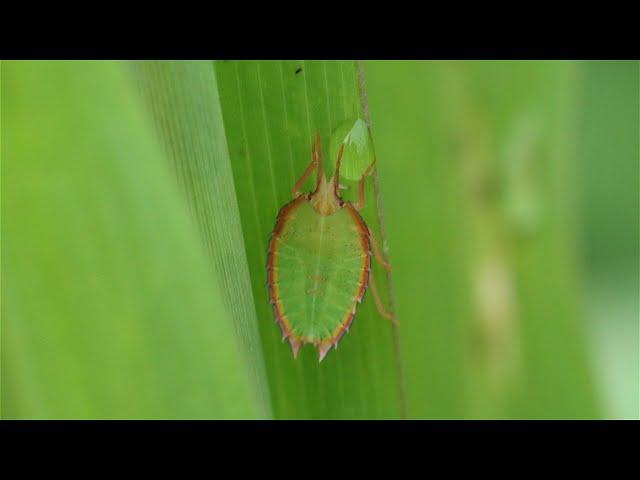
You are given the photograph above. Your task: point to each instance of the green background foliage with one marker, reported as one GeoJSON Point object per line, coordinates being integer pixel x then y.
{"type": "Point", "coordinates": [109, 309]}
{"type": "Point", "coordinates": [138, 199]}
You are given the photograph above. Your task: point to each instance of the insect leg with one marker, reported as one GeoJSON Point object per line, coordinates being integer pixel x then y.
{"type": "Point", "coordinates": [376, 298]}
{"type": "Point", "coordinates": [336, 175]}
{"type": "Point", "coordinates": [360, 205]}
{"type": "Point", "coordinates": [377, 253]}
{"type": "Point", "coordinates": [316, 162]}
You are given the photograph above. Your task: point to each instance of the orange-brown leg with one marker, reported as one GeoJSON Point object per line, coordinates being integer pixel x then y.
{"type": "Point", "coordinates": [376, 298]}
{"type": "Point", "coordinates": [316, 163]}
{"type": "Point", "coordinates": [360, 205]}
{"type": "Point", "coordinates": [377, 253]}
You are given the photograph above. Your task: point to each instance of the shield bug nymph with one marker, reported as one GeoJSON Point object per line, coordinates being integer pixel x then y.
{"type": "Point", "coordinates": [319, 260]}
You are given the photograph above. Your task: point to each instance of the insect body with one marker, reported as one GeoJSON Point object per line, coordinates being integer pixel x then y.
{"type": "Point", "coordinates": [319, 261]}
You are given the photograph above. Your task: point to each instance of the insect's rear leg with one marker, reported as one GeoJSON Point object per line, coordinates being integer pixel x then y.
{"type": "Point", "coordinates": [376, 298]}
{"type": "Point", "coordinates": [372, 281]}
{"type": "Point", "coordinates": [377, 253]}
{"type": "Point", "coordinates": [315, 163]}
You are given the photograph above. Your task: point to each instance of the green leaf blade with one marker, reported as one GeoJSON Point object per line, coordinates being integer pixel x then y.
{"type": "Point", "coordinates": [271, 114]}
{"type": "Point", "coordinates": [184, 104]}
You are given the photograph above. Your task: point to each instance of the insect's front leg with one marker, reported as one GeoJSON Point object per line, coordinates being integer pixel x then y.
{"type": "Point", "coordinates": [360, 205]}
{"type": "Point", "coordinates": [315, 163]}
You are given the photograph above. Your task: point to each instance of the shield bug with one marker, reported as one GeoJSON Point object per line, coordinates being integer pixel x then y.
{"type": "Point", "coordinates": [319, 260]}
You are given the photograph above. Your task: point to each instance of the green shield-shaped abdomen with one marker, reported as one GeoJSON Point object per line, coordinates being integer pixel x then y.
{"type": "Point", "coordinates": [318, 269]}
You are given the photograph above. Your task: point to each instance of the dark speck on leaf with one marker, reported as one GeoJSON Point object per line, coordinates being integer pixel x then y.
{"type": "Point", "coordinates": [298, 70]}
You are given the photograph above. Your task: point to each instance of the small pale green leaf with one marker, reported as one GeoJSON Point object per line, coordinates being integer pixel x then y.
{"type": "Point", "coordinates": [358, 148]}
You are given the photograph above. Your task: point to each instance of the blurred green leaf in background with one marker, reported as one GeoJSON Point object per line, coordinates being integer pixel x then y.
{"type": "Point", "coordinates": [608, 145]}
{"type": "Point", "coordinates": [184, 103]}
{"type": "Point", "coordinates": [489, 314]}
{"type": "Point", "coordinates": [109, 309]}
{"type": "Point", "coordinates": [138, 199]}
